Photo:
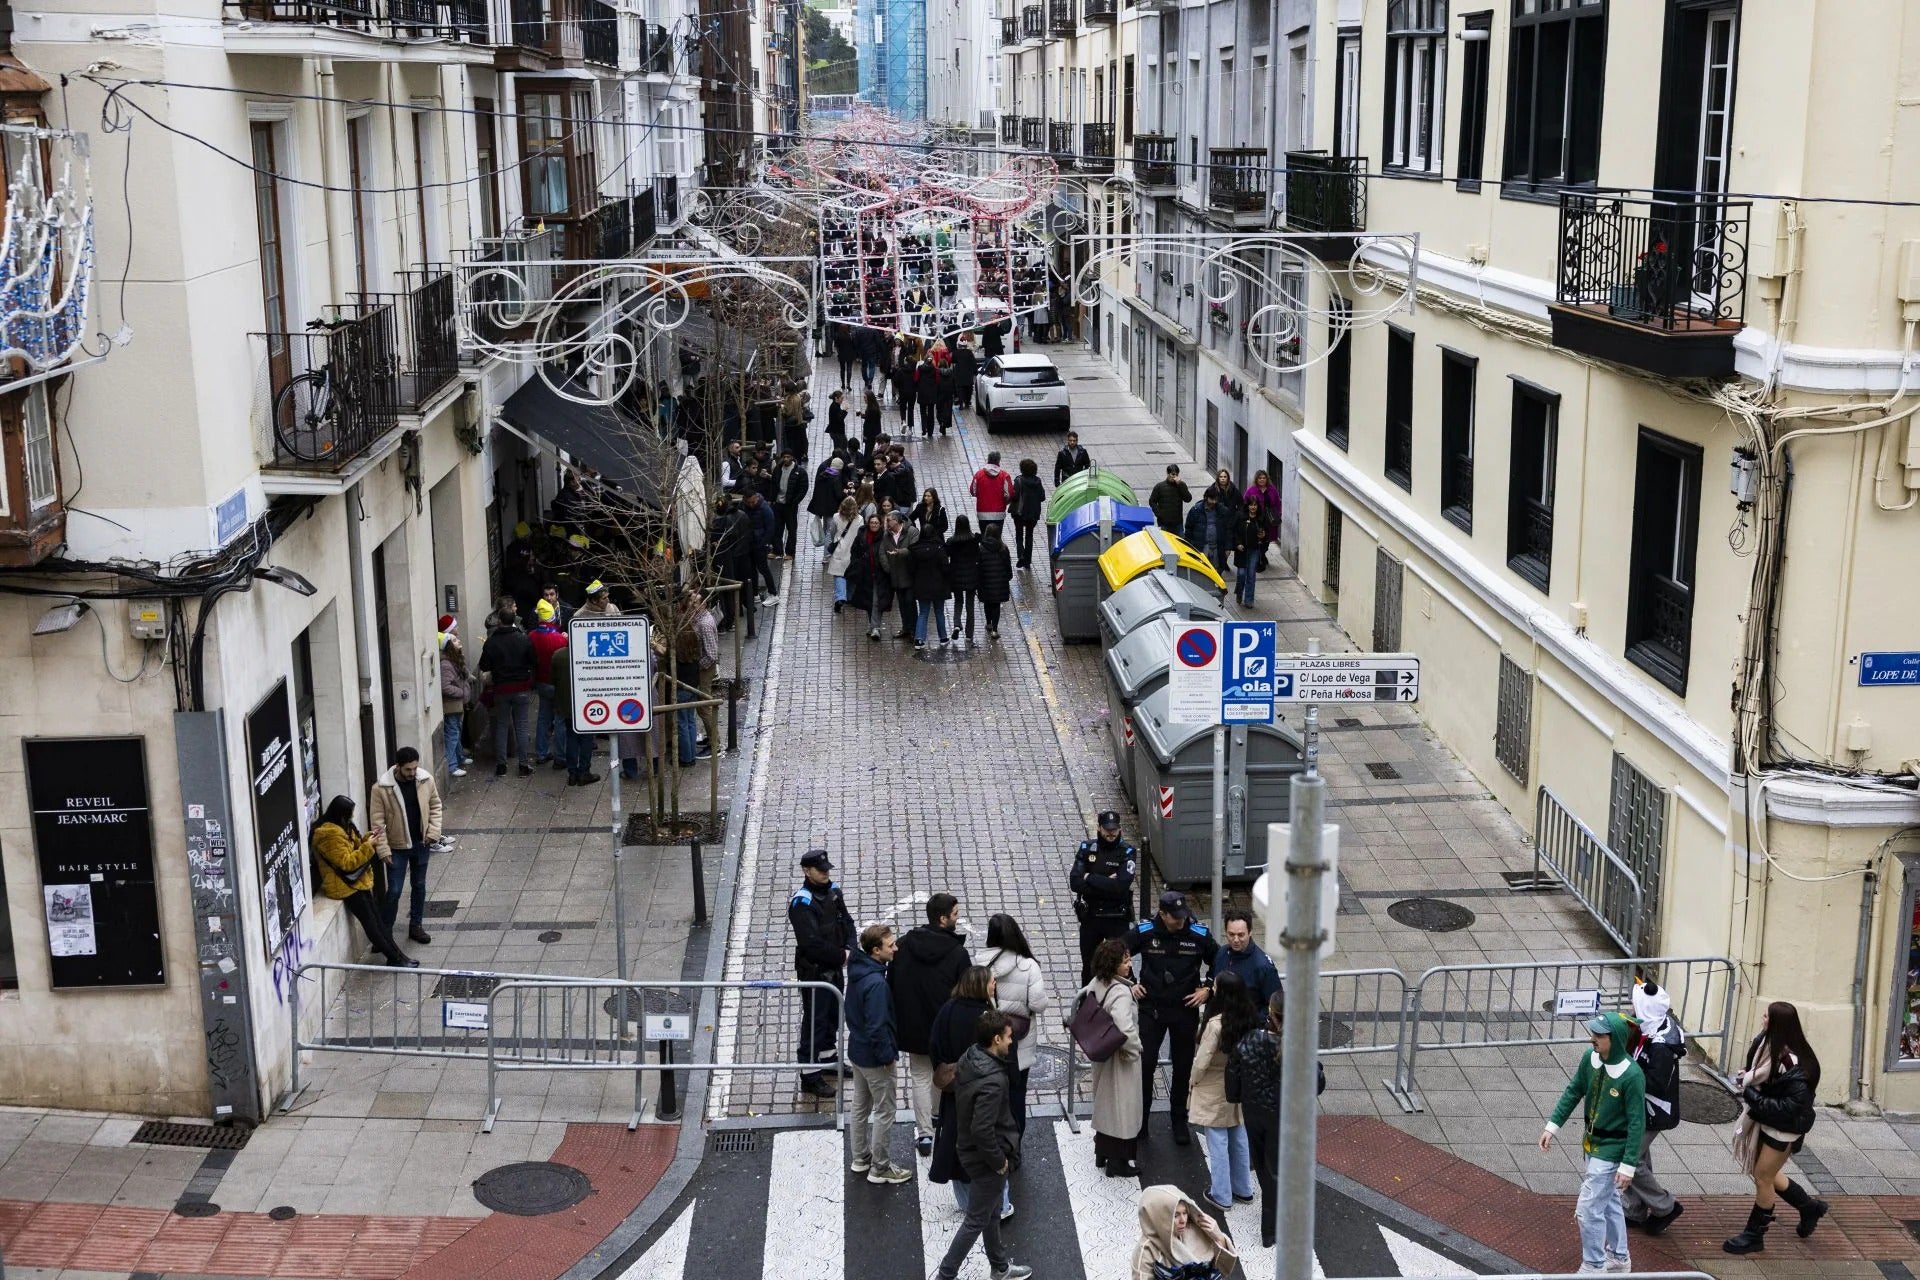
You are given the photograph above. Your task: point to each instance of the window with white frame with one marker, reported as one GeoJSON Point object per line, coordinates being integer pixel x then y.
{"type": "Point", "coordinates": [1299, 134]}
{"type": "Point", "coordinates": [42, 486]}
{"type": "Point", "coordinates": [1225, 127]}
{"type": "Point", "coordinates": [1416, 84]}
{"type": "Point", "coordinates": [1346, 95]}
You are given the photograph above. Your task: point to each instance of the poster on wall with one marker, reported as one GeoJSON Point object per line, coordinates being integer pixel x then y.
{"type": "Point", "coordinates": [93, 837]}
{"type": "Point", "coordinates": [276, 817]}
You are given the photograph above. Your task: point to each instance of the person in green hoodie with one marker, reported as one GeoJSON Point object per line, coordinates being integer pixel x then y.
{"type": "Point", "coordinates": [1614, 1091]}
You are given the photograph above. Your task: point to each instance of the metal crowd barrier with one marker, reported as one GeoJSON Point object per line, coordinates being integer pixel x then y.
{"type": "Point", "coordinates": [396, 1012]}
{"type": "Point", "coordinates": [600, 1024]}
{"type": "Point", "coordinates": [1494, 1006]}
{"type": "Point", "coordinates": [1593, 873]}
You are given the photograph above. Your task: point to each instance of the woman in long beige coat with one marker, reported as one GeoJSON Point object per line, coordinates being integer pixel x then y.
{"type": "Point", "coordinates": [1117, 1115]}
{"type": "Point", "coordinates": [1230, 1015]}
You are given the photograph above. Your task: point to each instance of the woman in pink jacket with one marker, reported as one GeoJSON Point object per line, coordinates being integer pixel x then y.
{"type": "Point", "coordinates": [1264, 493]}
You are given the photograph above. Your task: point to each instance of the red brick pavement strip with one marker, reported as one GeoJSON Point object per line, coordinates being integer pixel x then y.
{"type": "Point", "coordinates": [622, 1167]}
{"type": "Point", "coordinates": [1538, 1231]}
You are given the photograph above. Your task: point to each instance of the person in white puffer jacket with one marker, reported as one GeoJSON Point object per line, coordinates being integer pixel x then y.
{"type": "Point", "coordinates": [1020, 992]}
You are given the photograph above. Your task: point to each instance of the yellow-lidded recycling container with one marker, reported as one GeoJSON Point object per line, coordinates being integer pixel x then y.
{"type": "Point", "coordinates": [1151, 549]}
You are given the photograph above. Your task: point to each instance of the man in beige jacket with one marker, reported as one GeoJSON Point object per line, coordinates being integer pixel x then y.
{"type": "Point", "coordinates": [405, 816]}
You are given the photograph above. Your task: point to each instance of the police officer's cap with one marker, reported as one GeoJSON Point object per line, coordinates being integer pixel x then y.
{"type": "Point", "coordinates": [1174, 903]}
{"type": "Point", "coordinates": [1109, 820]}
{"type": "Point", "coordinates": [816, 858]}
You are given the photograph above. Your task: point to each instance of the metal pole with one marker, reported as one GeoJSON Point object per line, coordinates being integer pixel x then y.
{"type": "Point", "coordinates": [733, 715]}
{"type": "Point", "coordinates": [1219, 823]}
{"type": "Point", "coordinates": [699, 889]}
{"type": "Point", "coordinates": [619, 911]}
{"type": "Point", "coordinates": [669, 1106]}
{"type": "Point", "coordinates": [1299, 1046]}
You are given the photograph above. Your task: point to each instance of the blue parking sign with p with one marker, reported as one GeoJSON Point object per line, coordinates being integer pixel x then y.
{"type": "Point", "coordinates": [1248, 681]}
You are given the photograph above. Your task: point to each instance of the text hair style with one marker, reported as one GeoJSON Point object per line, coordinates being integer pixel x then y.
{"type": "Point", "coordinates": [1237, 914]}
{"type": "Point", "coordinates": [405, 755]}
{"type": "Point", "coordinates": [339, 812]}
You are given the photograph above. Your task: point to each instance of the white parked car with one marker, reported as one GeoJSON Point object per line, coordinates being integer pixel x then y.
{"type": "Point", "coordinates": [1022, 390]}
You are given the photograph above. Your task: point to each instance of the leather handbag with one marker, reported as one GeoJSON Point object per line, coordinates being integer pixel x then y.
{"type": "Point", "coordinates": [1094, 1029]}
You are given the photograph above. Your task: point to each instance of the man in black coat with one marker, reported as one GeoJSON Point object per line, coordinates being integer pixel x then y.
{"type": "Point", "coordinates": [731, 538]}
{"type": "Point", "coordinates": [930, 961]}
{"type": "Point", "coordinates": [1071, 460]}
{"type": "Point", "coordinates": [764, 527]}
{"type": "Point", "coordinates": [988, 1146]}
{"type": "Point", "coordinates": [926, 394]}
{"type": "Point", "coordinates": [823, 936]}
{"type": "Point", "coordinates": [789, 491]}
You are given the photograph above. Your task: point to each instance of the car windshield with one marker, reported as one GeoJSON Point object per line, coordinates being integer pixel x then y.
{"type": "Point", "coordinates": [1048, 377]}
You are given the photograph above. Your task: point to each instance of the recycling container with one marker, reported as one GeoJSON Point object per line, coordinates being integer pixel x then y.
{"type": "Point", "coordinates": [1076, 547]}
{"type": "Point", "coordinates": [1136, 667]}
{"type": "Point", "coordinates": [1155, 548]}
{"type": "Point", "coordinates": [1154, 593]}
{"type": "Point", "coordinates": [1173, 780]}
{"type": "Point", "coordinates": [1079, 489]}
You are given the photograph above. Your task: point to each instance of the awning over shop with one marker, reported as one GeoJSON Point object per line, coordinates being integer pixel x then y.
{"type": "Point", "coordinates": [595, 435]}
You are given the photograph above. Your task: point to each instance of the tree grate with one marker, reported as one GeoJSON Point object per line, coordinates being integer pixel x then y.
{"type": "Point", "coordinates": [735, 1141]}
{"type": "Point", "coordinates": [441, 908]}
{"type": "Point", "coordinates": [1382, 771]}
{"type": "Point", "coordinates": [466, 986]}
{"type": "Point", "coordinates": [1347, 722]}
{"type": "Point", "coordinates": [1702, 1103]}
{"type": "Point", "coordinates": [167, 1133]}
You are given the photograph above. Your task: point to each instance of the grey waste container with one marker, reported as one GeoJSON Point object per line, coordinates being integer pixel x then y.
{"type": "Point", "coordinates": [1173, 780]}
{"type": "Point", "coordinates": [1136, 666]}
{"type": "Point", "coordinates": [1156, 593]}
{"type": "Point", "coordinates": [1078, 585]}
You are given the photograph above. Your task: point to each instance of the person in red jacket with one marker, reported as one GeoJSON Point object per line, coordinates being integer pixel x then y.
{"type": "Point", "coordinates": [546, 637]}
{"type": "Point", "coordinates": [992, 491]}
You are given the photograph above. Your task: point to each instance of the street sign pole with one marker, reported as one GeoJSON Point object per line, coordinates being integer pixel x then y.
{"type": "Point", "coordinates": [1299, 1057]}
{"type": "Point", "coordinates": [1219, 823]}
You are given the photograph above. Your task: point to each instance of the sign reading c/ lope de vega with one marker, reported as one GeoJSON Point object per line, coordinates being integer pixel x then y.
{"type": "Point", "coordinates": [1361, 677]}
{"type": "Point", "coordinates": [611, 662]}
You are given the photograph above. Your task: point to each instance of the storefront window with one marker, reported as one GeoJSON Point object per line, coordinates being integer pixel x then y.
{"type": "Point", "coordinates": [1905, 1049]}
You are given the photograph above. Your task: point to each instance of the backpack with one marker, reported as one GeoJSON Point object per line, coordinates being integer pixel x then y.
{"type": "Point", "coordinates": [1660, 1065]}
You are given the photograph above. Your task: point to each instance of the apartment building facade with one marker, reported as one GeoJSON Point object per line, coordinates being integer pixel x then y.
{"type": "Point", "coordinates": [1636, 477]}
{"type": "Point", "coordinates": [221, 579]}
{"type": "Point", "coordinates": [963, 69]}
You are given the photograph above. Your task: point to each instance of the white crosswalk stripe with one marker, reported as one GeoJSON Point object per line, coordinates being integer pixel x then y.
{"type": "Point", "coordinates": [940, 1217]}
{"type": "Point", "coordinates": [1106, 1211]}
{"type": "Point", "coordinates": [808, 1177]}
{"type": "Point", "coordinates": [666, 1259]}
{"type": "Point", "coordinates": [1415, 1259]}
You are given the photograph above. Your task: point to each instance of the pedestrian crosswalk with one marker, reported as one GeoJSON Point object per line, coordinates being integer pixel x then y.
{"type": "Point", "coordinates": [789, 1210]}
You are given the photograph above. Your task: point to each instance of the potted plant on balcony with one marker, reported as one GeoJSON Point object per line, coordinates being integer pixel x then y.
{"type": "Point", "coordinates": [1641, 300]}
{"type": "Point", "coordinates": [1217, 314]}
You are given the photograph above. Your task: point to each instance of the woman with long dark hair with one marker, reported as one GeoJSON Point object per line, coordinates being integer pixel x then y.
{"type": "Point", "coordinates": [1230, 1015]}
{"type": "Point", "coordinates": [1777, 1086]}
{"type": "Point", "coordinates": [1020, 992]}
{"type": "Point", "coordinates": [1118, 1116]}
{"type": "Point", "coordinates": [345, 858]}
{"type": "Point", "coordinates": [1253, 1081]}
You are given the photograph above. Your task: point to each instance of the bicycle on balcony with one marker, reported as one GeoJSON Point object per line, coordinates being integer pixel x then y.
{"type": "Point", "coordinates": [314, 412]}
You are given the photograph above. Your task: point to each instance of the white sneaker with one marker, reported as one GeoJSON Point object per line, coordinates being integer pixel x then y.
{"type": "Point", "coordinates": [459, 773]}
{"type": "Point", "coordinates": [1588, 1269]}
{"type": "Point", "coordinates": [1618, 1264]}
{"type": "Point", "coordinates": [770, 601]}
{"type": "Point", "coordinates": [861, 1164]}
{"type": "Point", "coordinates": [888, 1176]}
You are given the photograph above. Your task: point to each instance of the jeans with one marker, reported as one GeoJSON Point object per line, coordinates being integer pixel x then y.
{"type": "Point", "coordinates": [982, 1223]}
{"type": "Point", "coordinates": [450, 727]}
{"type": "Point", "coordinates": [686, 673]}
{"type": "Point", "coordinates": [936, 610]}
{"type": "Point", "coordinates": [579, 755]}
{"type": "Point", "coordinates": [408, 865]}
{"type": "Point", "coordinates": [879, 600]}
{"type": "Point", "coordinates": [549, 713]}
{"type": "Point", "coordinates": [1246, 578]}
{"type": "Point", "coordinates": [963, 1194]}
{"type": "Point", "coordinates": [872, 1113]}
{"type": "Point", "coordinates": [1023, 543]}
{"type": "Point", "coordinates": [1603, 1223]}
{"type": "Point", "coordinates": [510, 711]}
{"type": "Point", "coordinates": [1229, 1162]}
{"type": "Point", "coordinates": [1645, 1197]}
{"type": "Point", "coordinates": [840, 593]}
{"type": "Point", "coordinates": [866, 370]}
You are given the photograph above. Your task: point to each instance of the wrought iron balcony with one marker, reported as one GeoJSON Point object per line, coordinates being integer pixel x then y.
{"type": "Point", "coordinates": [1237, 183]}
{"type": "Point", "coordinates": [1010, 127]}
{"type": "Point", "coordinates": [666, 200]}
{"type": "Point", "coordinates": [1060, 21]}
{"type": "Point", "coordinates": [1326, 193]}
{"type": "Point", "coordinates": [1153, 160]}
{"type": "Point", "coordinates": [1033, 22]}
{"type": "Point", "coordinates": [333, 389]}
{"type": "Point", "coordinates": [1093, 11]}
{"type": "Point", "coordinates": [599, 33]}
{"type": "Point", "coordinates": [1009, 31]}
{"type": "Point", "coordinates": [527, 22]}
{"type": "Point", "coordinates": [461, 20]}
{"type": "Point", "coordinates": [656, 55]}
{"type": "Point", "coordinates": [1032, 132]}
{"type": "Point", "coordinates": [426, 346]}
{"type": "Point", "coordinates": [1096, 148]}
{"type": "Point", "coordinates": [467, 21]}
{"type": "Point", "coordinates": [646, 219]}
{"type": "Point", "coordinates": [1657, 283]}
{"type": "Point", "coordinates": [1060, 141]}
{"type": "Point", "coordinates": [604, 234]}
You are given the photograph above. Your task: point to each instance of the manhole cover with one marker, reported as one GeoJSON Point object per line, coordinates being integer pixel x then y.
{"type": "Point", "coordinates": [465, 986]}
{"type": "Point", "coordinates": [531, 1188]}
{"type": "Point", "coordinates": [1702, 1103]}
{"type": "Point", "coordinates": [164, 1133]}
{"type": "Point", "coordinates": [551, 935]}
{"type": "Point", "coordinates": [1382, 771]}
{"type": "Point", "coordinates": [1335, 1033]}
{"type": "Point", "coordinates": [441, 908]}
{"type": "Point", "coordinates": [735, 1141]}
{"type": "Point", "coordinates": [1049, 1070]}
{"type": "Point", "coordinates": [1433, 915]}
{"type": "Point", "coordinates": [281, 1212]}
{"type": "Point", "coordinates": [196, 1208]}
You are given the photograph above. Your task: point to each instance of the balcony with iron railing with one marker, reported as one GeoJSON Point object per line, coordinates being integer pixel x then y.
{"type": "Point", "coordinates": [599, 33]}
{"type": "Point", "coordinates": [426, 346]}
{"type": "Point", "coordinates": [1326, 193]}
{"type": "Point", "coordinates": [1153, 161]}
{"type": "Point", "coordinates": [1033, 22]}
{"type": "Point", "coordinates": [464, 21]}
{"type": "Point", "coordinates": [1060, 20]}
{"type": "Point", "coordinates": [646, 219]}
{"type": "Point", "coordinates": [1237, 184]}
{"type": "Point", "coordinates": [1092, 11]}
{"type": "Point", "coordinates": [332, 390]}
{"type": "Point", "coordinates": [1096, 148]}
{"type": "Point", "coordinates": [1655, 282]}
{"type": "Point", "coordinates": [1010, 129]}
{"type": "Point", "coordinates": [1009, 32]}
{"type": "Point", "coordinates": [527, 25]}
{"type": "Point", "coordinates": [1033, 132]}
{"type": "Point", "coordinates": [656, 54]}
{"type": "Point", "coordinates": [1060, 142]}
{"type": "Point", "coordinates": [666, 200]}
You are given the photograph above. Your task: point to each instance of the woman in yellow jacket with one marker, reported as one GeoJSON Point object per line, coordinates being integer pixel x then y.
{"type": "Point", "coordinates": [345, 859]}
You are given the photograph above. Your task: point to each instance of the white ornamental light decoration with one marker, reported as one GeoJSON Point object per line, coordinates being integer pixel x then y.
{"type": "Point", "coordinates": [46, 254]}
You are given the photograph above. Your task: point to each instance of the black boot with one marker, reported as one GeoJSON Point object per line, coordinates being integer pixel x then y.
{"type": "Point", "coordinates": [1811, 1210]}
{"type": "Point", "coordinates": [1754, 1238]}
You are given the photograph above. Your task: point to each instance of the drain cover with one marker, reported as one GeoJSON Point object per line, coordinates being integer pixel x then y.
{"type": "Point", "coordinates": [735, 1141]}
{"type": "Point", "coordinates": [531, 1188]}
{"type": "Point", "coordinates": [1433, 915]}
{"type": "Point", "coordinates": [1382, 771]}
{"type": "Point", "coordinates": [1335, 1033]}
{"type": "Point", "coordinates": [1049, 1070]}
{"type": "Point", "coordinates": [196, 1208]}
{"type": "Point", "coordinates": [466, 986]}
{"type": "Point", "coordinates": [281, 1212]}
{"type": "Point", "coordinates": [163, 1133]}
{"type": "Point", "coordinates": [441, 908]}
{"type": "Point", "coordinates": [551, 935]}
{"type": "Point", "coordinates": [1347, 722]}
{"type": "Point", "coordinates": [1702, 1103]}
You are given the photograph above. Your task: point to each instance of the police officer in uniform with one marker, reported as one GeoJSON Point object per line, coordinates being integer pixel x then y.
{"type": "Point", "coordinates": [1171, 952]}
{"type": "Point", "coordinates": [1102, 884]}
{"type": "Point", "coordinates": [823, 936]}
